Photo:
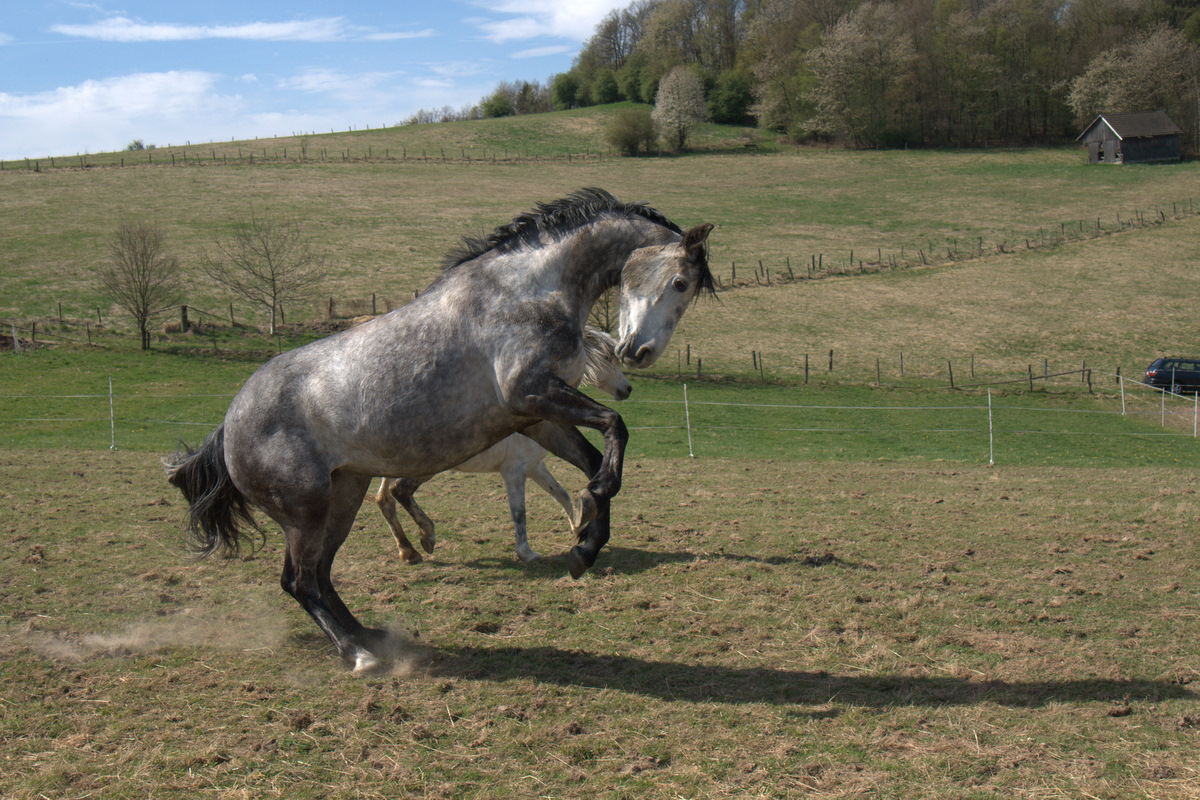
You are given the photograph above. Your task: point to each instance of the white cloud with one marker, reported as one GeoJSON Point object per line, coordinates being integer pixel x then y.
{"type": "Point", "coordinates": [576, 20]}
{"type": "Point", "coordinates": [106, 114]}
{"type": "Point", "coordinates": [325, 29]}
{"type": "Point", "coordinates": [330, 81]}
{"type": "Point", "coordinates": [541, 52]}
{"type": "Point", "coordinates": [5, 39]}
{"type": "Point", "coordinates": [395, 36]}
{"type": "Point", "coordinates": [123, 29]}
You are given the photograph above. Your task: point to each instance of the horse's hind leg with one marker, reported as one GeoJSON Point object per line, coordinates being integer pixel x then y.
{"type": "Point", "coordinates": [402, 489]}
{"type": "Point", "coordinates": [314, 530]}
{"type": "Point", "coordinates": [387, 505]}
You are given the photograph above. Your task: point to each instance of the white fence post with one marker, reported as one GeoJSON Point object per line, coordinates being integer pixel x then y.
{"type": "Point", "coordinates": [687, 417]}
{"type": "Point", "coordinates": [112, 422]}
{"type": "Point", "coordinates": [991, 434]}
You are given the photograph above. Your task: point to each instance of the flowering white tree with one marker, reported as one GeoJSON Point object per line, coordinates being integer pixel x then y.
{"type": "Point", "coordinates": [679, 106]}
{"type": "Point", "coordinates": [1157, 69]}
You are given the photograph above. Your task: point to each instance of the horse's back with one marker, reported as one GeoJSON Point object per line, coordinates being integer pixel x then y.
{"type": "Point", "coordinates": [408, 394]}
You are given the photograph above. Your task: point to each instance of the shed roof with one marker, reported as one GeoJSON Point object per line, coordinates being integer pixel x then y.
{"type": "Point", "coordinates": [1135, 126]}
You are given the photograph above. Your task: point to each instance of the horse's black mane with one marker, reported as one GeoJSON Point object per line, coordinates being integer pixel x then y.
{"type": "Point", "coordinates": [556, 217]}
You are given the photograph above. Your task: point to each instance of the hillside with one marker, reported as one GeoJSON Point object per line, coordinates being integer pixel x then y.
{"type": "Point", "coordinates": [385, 221]}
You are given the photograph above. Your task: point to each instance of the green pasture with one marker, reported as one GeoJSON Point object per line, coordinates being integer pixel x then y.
{"type": "Point", "coordinates": [818, 585]}
{"type": "Point", "coordinates": [148, 402]}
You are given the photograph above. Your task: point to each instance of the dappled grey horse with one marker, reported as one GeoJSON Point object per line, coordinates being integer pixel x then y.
{"type": "Point", "coordinates": [485, 351]}
{"type": "Point", "coordinates": [515, 457]}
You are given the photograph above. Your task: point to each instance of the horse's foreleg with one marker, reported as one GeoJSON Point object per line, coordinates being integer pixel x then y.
{"type": "Point", "coordinates": [403, 489]}
{"type": "Point", "coordinates": [567, 407]}
{"type": "Point", "coordinates": [573, 447]}
{"type": "Point", "coordinates": [514, 487]}
{"type": "Point", "coordinates": [387, 505]}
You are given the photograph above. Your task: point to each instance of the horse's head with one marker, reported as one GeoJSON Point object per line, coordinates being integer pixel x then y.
{"type": "Point", "coordinates": [602, 368]}
{"type": "Point", "coordinates": [657, 283]}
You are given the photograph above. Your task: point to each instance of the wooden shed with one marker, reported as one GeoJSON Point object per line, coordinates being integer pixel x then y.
{"type": "Point", "coordinates": [1131, 138]}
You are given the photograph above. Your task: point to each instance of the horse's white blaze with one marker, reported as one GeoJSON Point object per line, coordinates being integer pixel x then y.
{"type": "Point", "coordinates": [649, 313]}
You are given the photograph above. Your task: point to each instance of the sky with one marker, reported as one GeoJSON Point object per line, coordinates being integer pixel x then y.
{"type": "Point", "coordinates": [85, 77]}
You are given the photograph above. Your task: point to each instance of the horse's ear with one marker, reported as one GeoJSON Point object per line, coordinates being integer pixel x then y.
{"type": "Point", "coordinates": [693, 240]}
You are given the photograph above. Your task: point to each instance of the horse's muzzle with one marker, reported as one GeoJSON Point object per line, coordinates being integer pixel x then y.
{"type": "Point", "coordinates": [643, 356]}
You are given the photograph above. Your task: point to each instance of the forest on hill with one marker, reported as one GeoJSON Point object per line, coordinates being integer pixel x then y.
{"type": "Point", "coordinates": [886, 73]}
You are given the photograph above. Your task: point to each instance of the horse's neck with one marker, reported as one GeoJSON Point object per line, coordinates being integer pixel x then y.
{"type": "Point", "coordinates": [591, 260]}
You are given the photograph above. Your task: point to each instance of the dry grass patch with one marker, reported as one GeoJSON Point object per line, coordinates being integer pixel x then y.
{"type": "Point", "coordinates": [756, 629]}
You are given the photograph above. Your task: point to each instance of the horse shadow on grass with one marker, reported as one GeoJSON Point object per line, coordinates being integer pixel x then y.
{"type": "Point", "coordinates": [700, 683]}
{"type": "Point", "coordinates": [632, 561]}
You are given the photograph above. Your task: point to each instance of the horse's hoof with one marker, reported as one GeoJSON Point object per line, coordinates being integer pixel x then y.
{"type": "Point", "coordinates": [576, 563]}
{"type": "Point", "coordinates": [528, 556]}
{"type": "Point", "coordinates": [411, 557]}
{"type": "Point", "coordinates": [428, 544]}
{"type": "Point", "coordinates": [583, 510]}
{"type": "Point", "coordinates": [366, 663]}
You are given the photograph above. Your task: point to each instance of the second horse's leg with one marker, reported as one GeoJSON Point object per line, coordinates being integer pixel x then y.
{"type": "Point", "coordinates": [387, 505]}
{"type": "Point", "coordinates": [402, 489]}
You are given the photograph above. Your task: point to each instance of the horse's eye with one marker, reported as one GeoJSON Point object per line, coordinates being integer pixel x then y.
{"type": "Point", "coordinates": [680, 285]}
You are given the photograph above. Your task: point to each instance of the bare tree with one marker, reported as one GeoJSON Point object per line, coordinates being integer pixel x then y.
{"type": "Point", "coordinates": [605, 314]}
{"type": "Point", "coordinates": [140, 277]}
{"type": "Point", "coordinates": [267, 261]}
{"type": "Point", "coordinates": [679, 105]}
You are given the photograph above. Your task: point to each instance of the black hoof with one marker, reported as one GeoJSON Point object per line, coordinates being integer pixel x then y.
{"type": "Point", "coordinates": [577, 562]}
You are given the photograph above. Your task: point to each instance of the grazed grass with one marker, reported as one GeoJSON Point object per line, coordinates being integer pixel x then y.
{"type": "Point", "coordinates": [757, 629]}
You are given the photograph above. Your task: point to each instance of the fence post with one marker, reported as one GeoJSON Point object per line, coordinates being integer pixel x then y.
{"type": "Point", "coordinates": [991, 434]}
{"type": "Point", "coordinates": [112, 423]}
{"type": "Point", "coordinates": [687, 422]}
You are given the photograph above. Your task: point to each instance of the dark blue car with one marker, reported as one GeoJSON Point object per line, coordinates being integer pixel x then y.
{"type": "Point", "coordinates": [1175, 374]}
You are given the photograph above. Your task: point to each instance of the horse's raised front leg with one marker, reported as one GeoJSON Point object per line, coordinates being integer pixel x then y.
{"type": "Point", "coordinates": [403, 489]}
{"type": "Point", "coordinates": [387, 505]}
{"type": "Point", "coordinates": [573, 447]}
{"type": "Point", "coordinates": [568, 407]}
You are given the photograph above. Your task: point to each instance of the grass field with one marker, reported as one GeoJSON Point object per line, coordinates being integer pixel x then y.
{"type": "Point", "coordinates": [836, 597]}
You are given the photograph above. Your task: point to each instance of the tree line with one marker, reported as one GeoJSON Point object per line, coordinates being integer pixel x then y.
{"type": "Point", "coordinates": [884, 73]}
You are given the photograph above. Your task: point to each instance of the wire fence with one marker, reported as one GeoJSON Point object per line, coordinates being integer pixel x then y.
{"type": "Point", "coordinates": [140, 419]}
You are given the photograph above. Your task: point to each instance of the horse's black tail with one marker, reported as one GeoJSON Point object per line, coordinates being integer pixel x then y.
{"type": "Point", "coordinates": [219, 516]}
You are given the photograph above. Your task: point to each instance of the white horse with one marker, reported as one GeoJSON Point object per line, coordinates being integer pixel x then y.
{"type": "Point", "coordinates": [515, 458]}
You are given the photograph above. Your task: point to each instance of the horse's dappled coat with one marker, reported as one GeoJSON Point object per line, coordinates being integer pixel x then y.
{"type": "Point", "coordinates": [485, 351]}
